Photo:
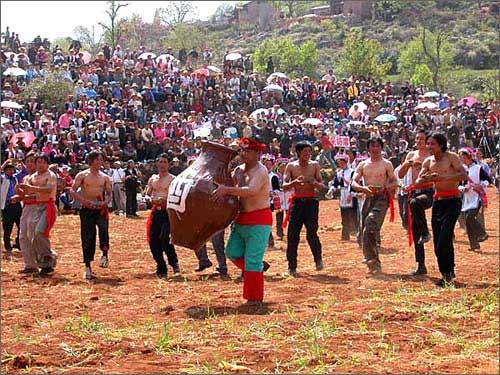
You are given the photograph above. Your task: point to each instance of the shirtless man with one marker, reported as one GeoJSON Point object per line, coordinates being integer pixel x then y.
{"type": "Point", "coordinates": [419, 200]}
{"type": "Point", "coordinates": [303, 176]}
{"type": "Point", "coordinates": [94, 196]}
{"type": "Point", "coordinates": [40, 187]}
{"type": "Point", "coordinates": [379, 185]}
{"type": "Point", "coordinates": [445, 170]}
{"type": "Point", "coordinates": [250, 233]}
{"type": "Point", "coordinates": [158, 225]}
{"type": "Point", "coordinates": [25, 243]}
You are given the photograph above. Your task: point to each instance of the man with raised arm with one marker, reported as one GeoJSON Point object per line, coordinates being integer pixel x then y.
{"type": "Point", "coordinates": [303, 176]}
{"type": "Point", "coordinates": [379, 185]}
{"type": "Point", "coordinates": [419, 200]}
{"type": "Point", "coordinates": [41, 186]}
{"type": "Point", "coordinates": [158, 225]}
{"type": "Point", "coordinates": [445, 170]}
{"type": "Point", "coordinates": [251, 229]}
{"type": "Point", "coordinates": [92, 188]}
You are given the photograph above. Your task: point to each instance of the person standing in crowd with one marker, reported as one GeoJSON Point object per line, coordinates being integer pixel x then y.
{"type": "Point", "coordinates": [117, 180]}
{"type": "Point", "coordinates": [132, 184]}
{"type": "Point", "coordinates": [10, 205]}
{"type": "Point", "coordinates": [420, 199]}
{"type": "Point", "coordinates": [303, 176]}
{"type": "Point", "coordinates": [202, 256]}
{"type": "Point", "coordinates": [92, 188]}
{"type": "Point", "coordinates": [379, 184]}
{"type": "Point", "coordinates": [158, 225]}
{"type": "Point", "coordinates": [474, 197]}
{"type": "Point", "coordinates": [445, 170]}
{"type": "Point", "coordinates": [274, 184]}
{"type": "Point", "coordinates": [42, 185]}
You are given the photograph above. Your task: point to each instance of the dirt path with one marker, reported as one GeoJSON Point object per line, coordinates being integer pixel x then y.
{"type": "Point", "coordinates": [336, 320]}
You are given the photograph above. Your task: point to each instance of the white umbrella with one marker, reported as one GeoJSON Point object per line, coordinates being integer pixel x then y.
{"type": "Point", "coordinates": [14, 71]}
{"type": "Point", "coordinates": [5, 120]}
{"type": "Point", "coordinates": [214, 69]}
{"type": "Point", "coordinates": [313, 121]}
{"type": "Point", "coordinates": [86, 56]}
{"type": "Point", "coordinates": [361, 107]}
{"type": "Point", "coordinates": [427, 105]}
{"type": "Point", "coordinates": [165, 57]}
{"type": "Point", "coordinates": [233, 56]}
{"type": "Point", "coordinates": [9, 104]}
{"type": "Point", "coordinates": [431, 94]}
{"type": "Point", "coordinates": [258, 112]}
{"type": "Point", "coordinates": [276, 75]}
{"type": "Point", "coordinates": [355, 123]}
{"type": "Point", "coordinates": [274, 88]}
{"type": "Point", "coordinates": [145, 55]}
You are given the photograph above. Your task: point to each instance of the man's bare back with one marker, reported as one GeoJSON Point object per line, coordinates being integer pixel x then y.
{"type": "Point", "coordinates": [256, 179]}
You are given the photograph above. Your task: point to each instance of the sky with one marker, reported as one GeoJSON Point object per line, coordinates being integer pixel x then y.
{"type": "Point", "coordinates": [55, 19]}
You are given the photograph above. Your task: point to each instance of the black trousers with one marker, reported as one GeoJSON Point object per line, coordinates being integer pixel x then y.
{"type": "Point", "coordinates": [11, 215]}
{"type": "Point", "coordinates": [348, 217]}
{"type": "Point", "coordinates": [403, 207]}
{"type": "Point", "coordinates": [159, 241]}
{"type": "Point", "coordinates": [279, 223]}
{"type": "Point", "coordinates": [445, 214]}
{"type": "Point", "coordinates": [304, 212]}
{"type": "Point", "coordinates": [419, 202]}
{"type": "Point", "coordinates": [131, 205]}
{"type": "Point", "coordinates": [92, 221]}
{"type": "Point", "coordinates": [474, 228]}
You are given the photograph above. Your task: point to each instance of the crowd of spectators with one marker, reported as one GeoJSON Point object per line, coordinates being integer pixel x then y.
{"type": "Point", "coordinates": [134, 107]}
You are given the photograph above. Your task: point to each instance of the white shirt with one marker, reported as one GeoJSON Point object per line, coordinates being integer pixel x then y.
{"type": "Point", "coordinates": [117, 175]}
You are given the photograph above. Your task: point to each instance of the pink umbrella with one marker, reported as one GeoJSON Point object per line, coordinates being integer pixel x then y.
{"type": "Point", "coordinates": [202, 72]}
{"type": "Point", "coordinates": [27, 137]}
{"type": "Point", "coordinates": [468, 101]}
{"type": "Point", "coordinates": [86, 56]}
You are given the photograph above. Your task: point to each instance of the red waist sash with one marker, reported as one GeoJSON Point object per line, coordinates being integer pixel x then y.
{"type": "Point", "coordinates": [50, 214]}
{"type": "Point", "coordinates": [149, 222]}
{"type": "Point", "coordinates": [444, 194]}
{"type": "Point", "coordinates": [258, 217]}
{"type": "Point", "coordinates": [409, 190]}
{"type": "Point", "coordinates": [290, 204]}
{"type": "Point", "coordinates": [103, 211]}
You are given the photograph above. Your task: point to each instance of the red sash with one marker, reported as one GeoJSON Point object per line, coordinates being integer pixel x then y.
{"type": "Point", "coordinates": [482, 194]}
{"type": "Point", "coordinates": [259, 217]}
{"type": "Point", "coordinates": [447, 194]}
{"type": "Point", "coordinates": [149, 222]}
{"type": "Point", "coordinates": [409, 190]}
{"type": "Point", "coordinates": [290, 204]}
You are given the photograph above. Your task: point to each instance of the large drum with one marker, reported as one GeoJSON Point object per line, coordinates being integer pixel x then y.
{"type": "Point", "coordinates": [194, 216]}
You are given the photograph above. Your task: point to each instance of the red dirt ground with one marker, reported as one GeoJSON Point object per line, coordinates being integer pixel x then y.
{"type": "Point", "coordinates": [336, 320]}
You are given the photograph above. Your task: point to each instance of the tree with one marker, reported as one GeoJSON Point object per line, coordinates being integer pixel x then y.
{"type": "Point", "coordinates": [220, 12]}
{"type": "Point", "coordinates": [422, 76]}
{"type": "Point", "coordinates": [88, 38]}
{"type": "Point", "coordinates": [430, 48]}
{"type": "Point", "coordinates": [112, 32]}
{"type": "Point", "coordinates": [53, 90]}
{"type": "Point", "coordinates": [287, 57]}
{"type": "Point", "coordinates": [135, 32]}
{"type": "Point", "coordinates": [176, 12]}
{"type": "Point", "coordinates": [362, 56]}
{"type": "Point", "coordinates": [178, 37]}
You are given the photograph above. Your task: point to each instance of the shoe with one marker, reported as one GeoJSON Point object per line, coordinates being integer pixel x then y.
{"type": "Point", "coordinates": [319, 265]}
{"type": "Point", "coordinates": [475, 249]}
{"type": "Point", "coordinates": [420, 270]}
{"type": "Point", "coordinates": [291, 272]}
{"type": "Point", "coordinates": [177, 269]}
{"type": "Point", "coordinates": [28, 270]}
{"type": "Point", "coordinates": [104, 261]}
{"type": "Point", "coordinates": [265, 266]}
{"type": "Point", "coordinates": [424, 238]}
{"type": "Point", "coordinates": [447, 280]}
{"type": "Point", "coordinates": [88, 274]}
{"type": "Point", "coordinates": [16, 246]}
{"type": "Point", "coordinates": [484, 238]}
{"type": "Point", "coordinates": [46, 271]}
{"type": "Point", "coordinates": [374, 266]}
{"type": "Point", "coordinates": [204, 266]}
{"type": "Point", "coordinates": [161, 275]}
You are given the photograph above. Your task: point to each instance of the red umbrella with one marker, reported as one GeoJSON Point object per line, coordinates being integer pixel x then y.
{"type": "Point", "coordinates": [468, 101]}
{"type": "Point", "coordinates": [202, 72]}
{"type": "Point", "coordinates": [27, 137]}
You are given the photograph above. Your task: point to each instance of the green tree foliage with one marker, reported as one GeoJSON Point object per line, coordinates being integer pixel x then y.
{"type": "Point", "coordinates": [186, 36]}
{"type": "Point", "coordinates": [51, 90]}
{"type": "Point", "coordinates": [362, 56]}
{"type": "Point", "coordinates": [431, 49]}
{"type": "Point", "coordinates": [136, 32]}
{"type": "Point", "coordinates": [422, 76]}
{"type": "Point", "coordinates": [287, 57]}
{"type": "Point", "coordinates": [90, 40]}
